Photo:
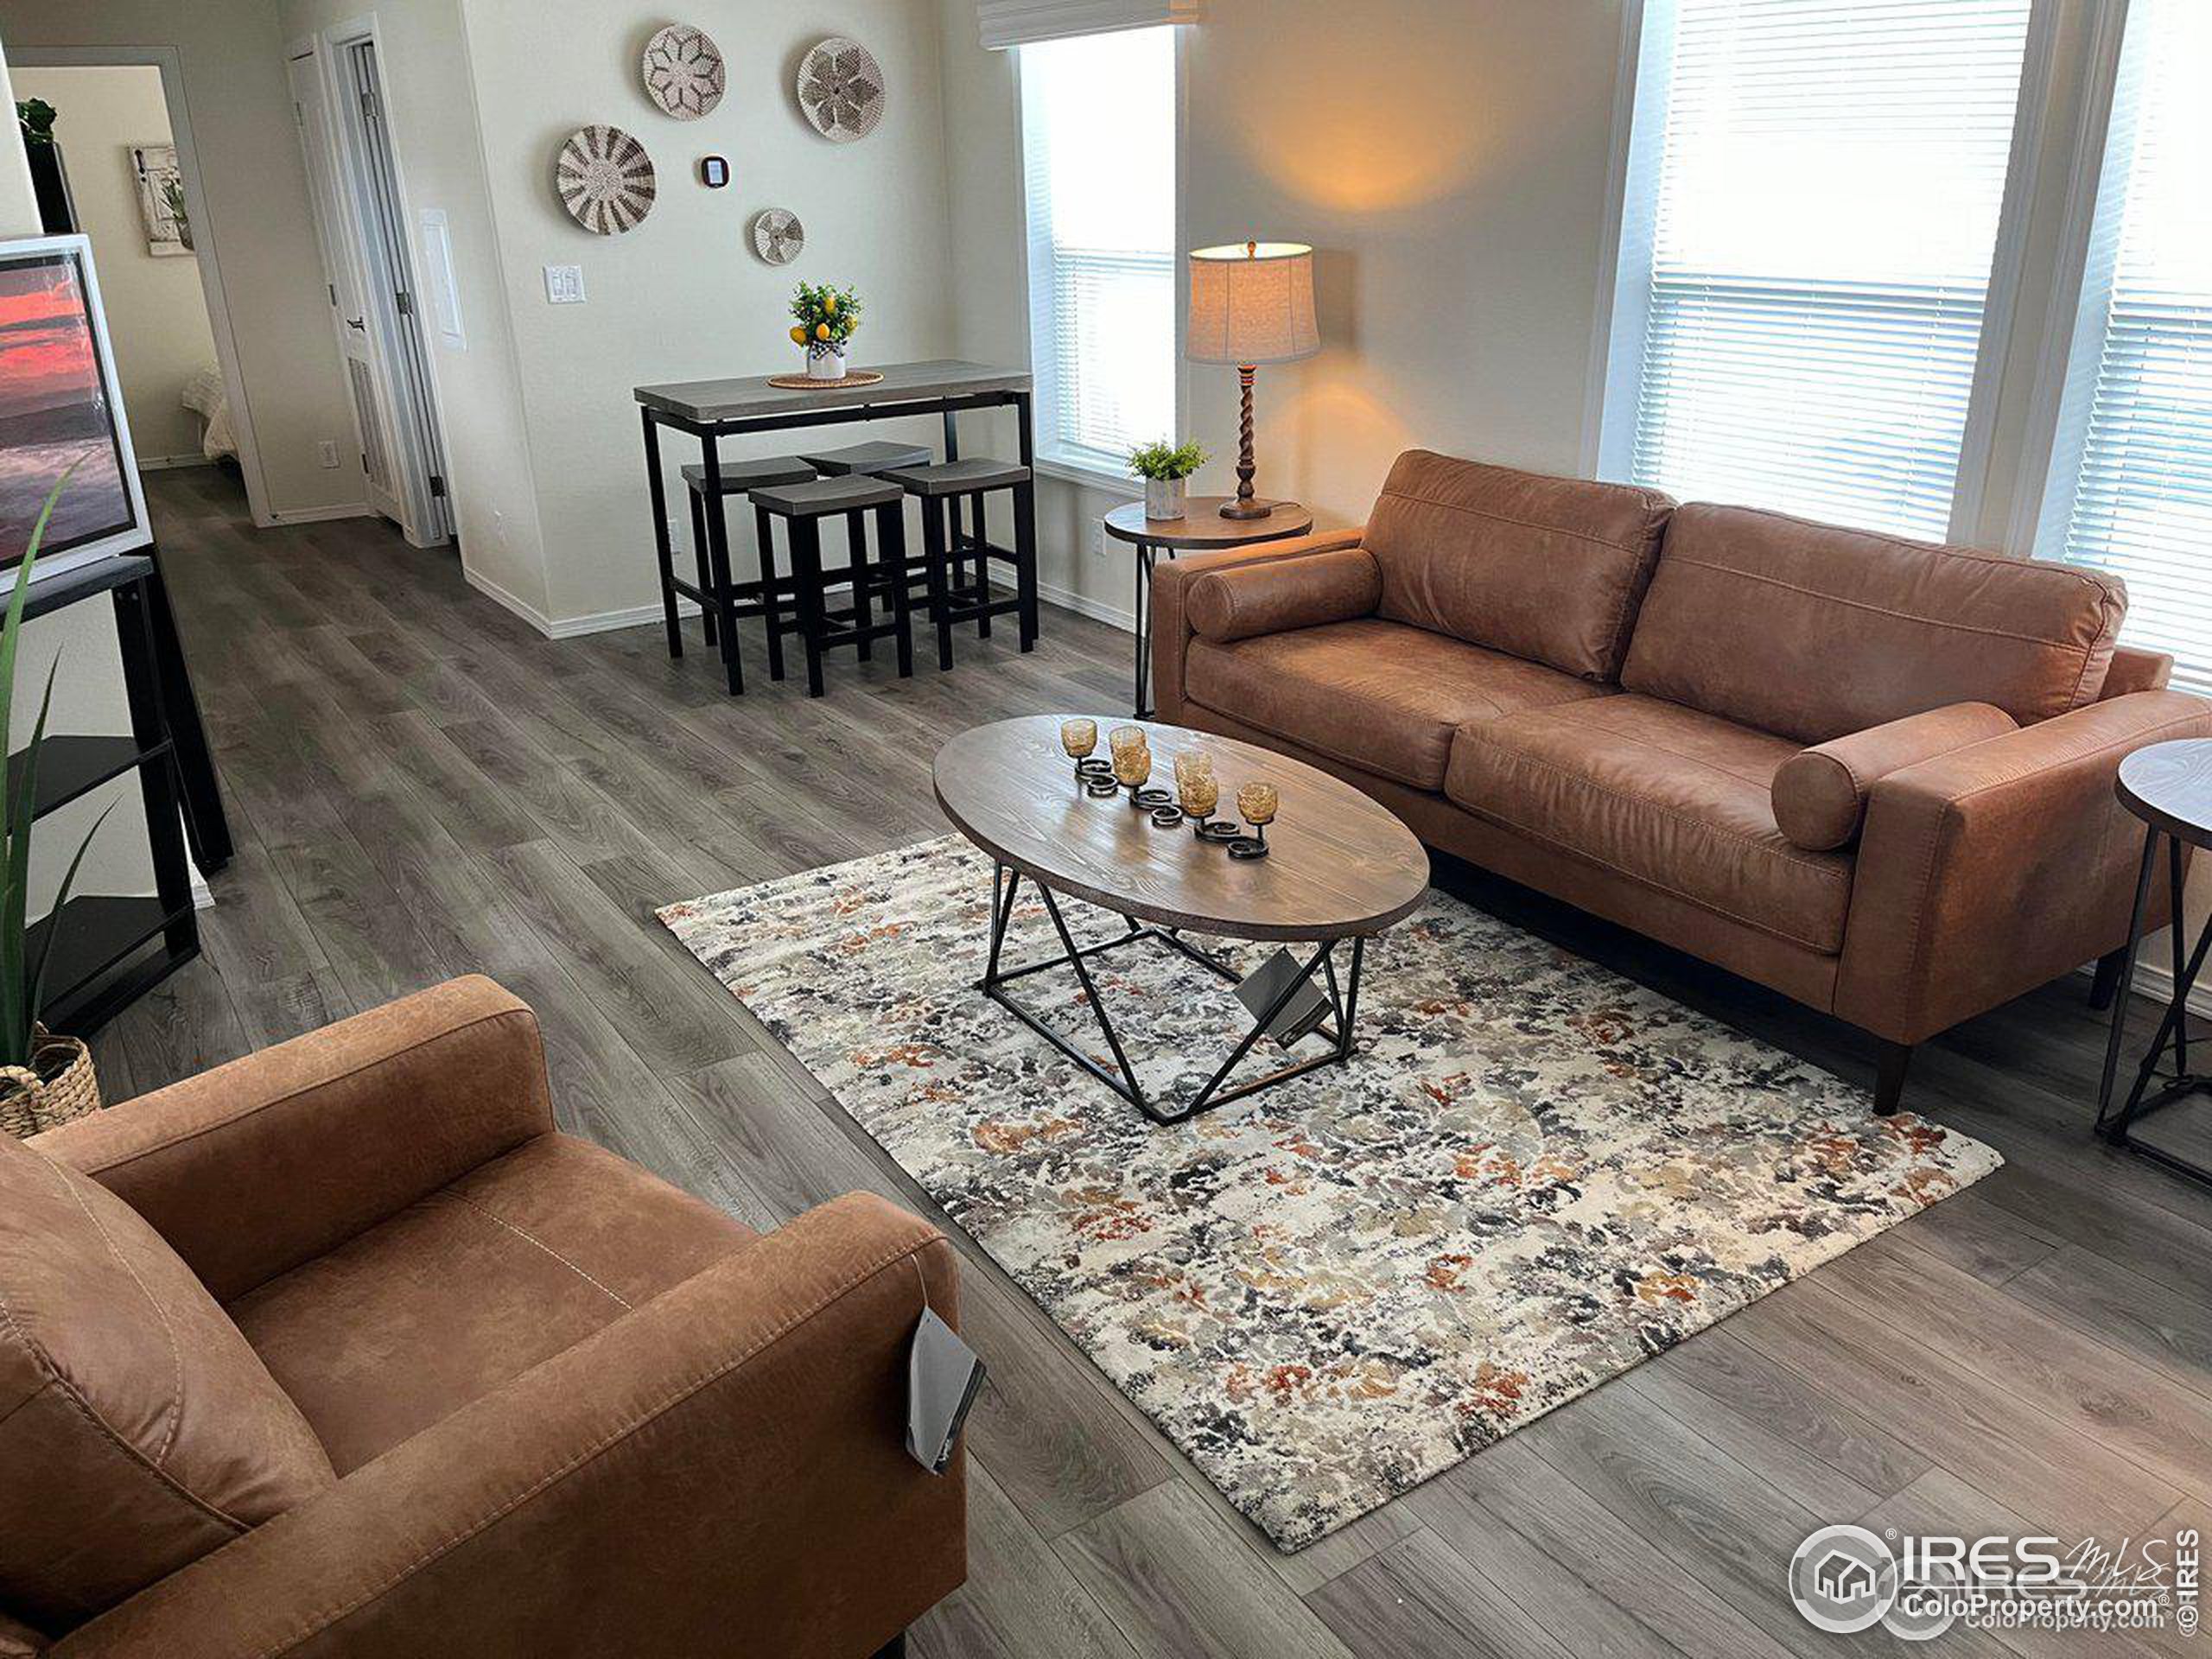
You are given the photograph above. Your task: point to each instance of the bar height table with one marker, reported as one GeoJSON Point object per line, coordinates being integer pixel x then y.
{"type": "Point", "coordinates": [710, 410]}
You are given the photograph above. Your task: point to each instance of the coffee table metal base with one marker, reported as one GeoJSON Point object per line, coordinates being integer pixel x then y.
{"type": "Point", "coordinates": [1344, 1002]}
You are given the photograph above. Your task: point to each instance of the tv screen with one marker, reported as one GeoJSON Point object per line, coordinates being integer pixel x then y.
{"type": "Point", "coordinates": [61, 406]}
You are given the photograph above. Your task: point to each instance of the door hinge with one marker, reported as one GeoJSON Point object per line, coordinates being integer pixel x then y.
{"type": "Point", "coordinates": [369, 106]}
{"type": "Point", "coordinates": [437, 486]}
{"type": "Point", "coordinates": [405, 303]}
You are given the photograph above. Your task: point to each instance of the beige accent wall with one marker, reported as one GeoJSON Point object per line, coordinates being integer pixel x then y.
{"type": "Point", "coordinates": [156, 309]}
{"type": "Point", "coordinates": [240, 111]}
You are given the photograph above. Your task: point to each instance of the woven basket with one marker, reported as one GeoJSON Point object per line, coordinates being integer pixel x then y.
{"type": "Point", "coordinates": [58, 1084]}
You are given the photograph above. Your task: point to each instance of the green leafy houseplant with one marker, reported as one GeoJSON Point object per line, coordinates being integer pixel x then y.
{"type": "Point", "coordinates": [23, 971]}
{"type": "Point", "coordinates": [824, 315]}
{"type": "Point", "coordinates": [1166, 461]}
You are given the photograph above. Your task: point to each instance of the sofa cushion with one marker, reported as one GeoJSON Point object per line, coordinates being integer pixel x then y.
{"type": "Point", "coordinates": [1665, 795]}
{"type": "Point", "coordinates": [1812, 632]}
{"type": "Point", "coordinates": [508, 1266]}
{"type": "Point", "coordinates": [1239, 602]}
{"type": "Point", "coordinates": [1820, 793]}
{"type": "Point", "coordinates": [1548, 569]}
{"type": "Point", "coordinates": [138, 1431]}
{"type": "Point", "coordinates": [1375, 694]}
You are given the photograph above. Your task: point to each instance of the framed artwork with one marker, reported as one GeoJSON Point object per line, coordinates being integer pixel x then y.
{"type": "Point", "coordinates": [161, 200]}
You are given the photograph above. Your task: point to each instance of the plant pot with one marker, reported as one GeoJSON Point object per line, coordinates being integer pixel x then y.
{"type": "Point", "coordinates": [825, 360]}
{"type": "Point", "coordinates": [58, 1084]}
{"type": "Point", "coordinates": [1164, 496]}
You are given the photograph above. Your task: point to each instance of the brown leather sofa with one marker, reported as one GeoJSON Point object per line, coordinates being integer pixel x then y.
{"type": "Point", "coordinates": [1874, 774]}
{"type": "Point", "coordinates": [342, 1349]}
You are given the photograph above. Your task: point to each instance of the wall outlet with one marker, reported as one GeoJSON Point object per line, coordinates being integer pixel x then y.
{"type": "Point", "coordinates": [1099, 545]}
{"type": "Point", "coordinates": [564, 285]}
{"type": "Point", "coordinates": [325, 454]}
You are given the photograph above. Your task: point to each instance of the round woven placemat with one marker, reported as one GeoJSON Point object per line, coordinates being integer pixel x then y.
{"type": "Point", "coordinates": [802, 383]}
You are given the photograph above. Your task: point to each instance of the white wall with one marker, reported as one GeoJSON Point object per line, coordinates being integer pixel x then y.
{"type": "Point", "coordinates": [240, 113]}
{"type": "Point", "coordinates": [156, 310]}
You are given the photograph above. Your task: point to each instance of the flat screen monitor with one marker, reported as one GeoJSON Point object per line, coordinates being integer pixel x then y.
{"type": "Point", "coordinates": [61, 406]}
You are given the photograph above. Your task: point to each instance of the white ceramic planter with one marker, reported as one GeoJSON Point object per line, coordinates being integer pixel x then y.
{"type": "Point", "coordinates": [1164, 496]}
{"type": "Point", "coordinates": [825, 361]}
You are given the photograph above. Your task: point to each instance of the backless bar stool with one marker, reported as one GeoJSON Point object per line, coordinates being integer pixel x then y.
{"type": "Point", "coordinates": [939, 489]}
{"type": "Point", "coordinates": [722, 601]}
{"type": "Point", "coordinates": [820, 627]}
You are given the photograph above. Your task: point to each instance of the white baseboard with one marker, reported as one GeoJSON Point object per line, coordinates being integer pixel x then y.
{"type": "Point", "coordinates": [165, 463]}
{"type": "Point", "coordinates": [2157, 981]}
{"type": "Point", "coordinates": [317, 515]}
{"type": "Point", "coordinates": [1113, 616]}
{"type": "Point", "coordinates": [571, 627]}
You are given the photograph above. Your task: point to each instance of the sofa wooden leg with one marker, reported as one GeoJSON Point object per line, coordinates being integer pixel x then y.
{"type": "Point", "coordinates": [894, 1648]}
{"type": "Point", "coordinates": [1889, 1083]}
{"type": "Point", "coordinates": [2106, 985]}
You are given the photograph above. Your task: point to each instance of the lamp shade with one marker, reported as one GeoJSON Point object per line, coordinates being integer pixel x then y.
{"type": "Point", "coordinates": [1252, 303]}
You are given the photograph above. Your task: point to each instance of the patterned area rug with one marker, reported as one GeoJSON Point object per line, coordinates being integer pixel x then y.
{"type": "Point", "coordinates": [1534, 1175]}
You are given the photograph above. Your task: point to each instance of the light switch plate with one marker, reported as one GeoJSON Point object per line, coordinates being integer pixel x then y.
{"type": "Point", "coordinates": [564, 285]}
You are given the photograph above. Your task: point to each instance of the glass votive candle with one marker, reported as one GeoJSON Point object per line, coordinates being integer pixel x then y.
{"type": "Point", "coordinates": [1191, 763]}
{"type": "Point", "coordinates": [1256, 804]}
{"type": "Point", "coordinates": [1126, 737]}
{"type": "Point", "coordinates": [1199, 793]}
{"type": "Point", "coordinates": [1132, 765]}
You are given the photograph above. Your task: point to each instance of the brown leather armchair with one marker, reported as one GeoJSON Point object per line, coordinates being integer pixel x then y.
{"type": "Point", "coordinates": [342, 1348]}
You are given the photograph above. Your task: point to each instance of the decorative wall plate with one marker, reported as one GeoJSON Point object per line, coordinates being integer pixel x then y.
{"type": "Point", "coordinates": [683, 72]}
{"type": "Point", "coordinates": [605, 180]}
{"type": "Point", "coordinates": [840, 89]}
{"type": "Point", "coordinates": [778, 236]}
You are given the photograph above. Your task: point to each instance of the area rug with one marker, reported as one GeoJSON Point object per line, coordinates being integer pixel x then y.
{"type": "Point", "coordinates": [1533, 1175]}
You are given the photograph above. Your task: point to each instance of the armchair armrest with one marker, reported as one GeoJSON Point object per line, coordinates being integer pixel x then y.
{"type": "Point", "coordinates": [722, 1469]}
{"type": "Point", "coordinates": [1171, 618]}
{"type": "Point", "coordinates": [1994, 869]}
{"type": "Point", "coordinates": [256, 1167]}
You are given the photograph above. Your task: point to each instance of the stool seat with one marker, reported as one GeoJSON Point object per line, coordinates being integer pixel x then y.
{"type": "Point", "coordinates": [868, 458]}
{"type": "Point", "coordinates": [739, 476]}
{"type": "Point", "coordinates": [825, 496]}
{"type": "Point", "coordinates": [958, 477]}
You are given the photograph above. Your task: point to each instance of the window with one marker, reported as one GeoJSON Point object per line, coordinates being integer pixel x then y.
{"type": "Point", "coordinates": [2129, 484]}
{"type": "Point", "coordinates": [1810, 214]}
{"type": "Point", "coordinates": [1098, 149]}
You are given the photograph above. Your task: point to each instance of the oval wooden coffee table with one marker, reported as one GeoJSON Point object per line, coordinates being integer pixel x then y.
{"type": "Point", "coordinates": [1340, 866]}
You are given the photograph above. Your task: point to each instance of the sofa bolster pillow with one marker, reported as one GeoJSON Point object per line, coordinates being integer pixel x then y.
{"type": "Point", "coordinates": [1820, 793]}
{"type": "Point", "coordinates": [1245, 601]}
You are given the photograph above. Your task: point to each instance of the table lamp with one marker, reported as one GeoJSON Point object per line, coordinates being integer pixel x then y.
{"type": "Point", "coordinates": [1251, 303]}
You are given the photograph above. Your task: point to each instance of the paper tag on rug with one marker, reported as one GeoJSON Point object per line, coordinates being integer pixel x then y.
{"type": "Point", "coordinates": [943, 1376]}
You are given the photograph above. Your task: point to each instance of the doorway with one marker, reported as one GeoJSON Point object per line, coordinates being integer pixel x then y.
{"type": "Point", "coordinates": [126, 175]}
{"type": "Point", "coordinates": [361, 229]}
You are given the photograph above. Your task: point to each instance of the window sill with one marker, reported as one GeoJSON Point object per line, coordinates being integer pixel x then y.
{"type": "Point", "coordinates": [1124, 485]}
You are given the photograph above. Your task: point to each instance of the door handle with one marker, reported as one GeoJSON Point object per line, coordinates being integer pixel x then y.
{"type": "Point", "coordinates": [352, 322]}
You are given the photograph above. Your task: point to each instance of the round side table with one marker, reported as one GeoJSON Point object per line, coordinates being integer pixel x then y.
{"type": "Point", "coordinates": [2169, 786]}
{"type": "Point", "coordinates": [1201, 529]}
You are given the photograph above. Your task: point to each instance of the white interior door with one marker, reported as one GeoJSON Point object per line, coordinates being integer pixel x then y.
{"type": "Point", "coordinates": [347, 285]}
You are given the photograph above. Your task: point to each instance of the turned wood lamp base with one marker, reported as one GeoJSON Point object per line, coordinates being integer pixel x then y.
{"type": "Point", "coordinates": [1243, 505]}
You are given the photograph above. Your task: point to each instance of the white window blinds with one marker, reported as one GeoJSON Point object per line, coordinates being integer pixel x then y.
{"type": "Point", "coordinates": [1812, 199]}
{"type": "Point", "coordinates": [1022, 22]}
{"type": "Point", "coordinates": [2131, 481]}
{"type": "Point", "coordinates": [1098, 149]}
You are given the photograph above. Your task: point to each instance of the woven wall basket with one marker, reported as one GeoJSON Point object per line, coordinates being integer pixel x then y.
{"type": "Point", "coordinates": [58, 1086]}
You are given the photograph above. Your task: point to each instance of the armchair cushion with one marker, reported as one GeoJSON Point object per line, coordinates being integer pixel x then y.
{"type": "Point", "coordinates": [401, 1327]}
{"type": "Point", "coordinates": [1820, 793]}
{"type": "Point", "coordinates": [1244, 600]}
{"type": "Point", "coordinates": [138, 1431]}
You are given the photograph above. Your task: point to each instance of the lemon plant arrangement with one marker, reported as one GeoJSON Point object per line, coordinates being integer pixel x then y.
{"type": "Point", "coordinates": [826, 318]}
{"type": "Point", "coordinates": [1165, 468]}
{"type": "Point", "coordinates": [44, 1079]}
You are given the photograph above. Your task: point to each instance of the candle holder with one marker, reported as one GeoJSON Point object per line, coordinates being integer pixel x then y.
{"type": "Point", "coordinates": [1078, 738]}
{"type": "Point", "coordinates": [1257, 804]}
{"type": "Point", "coordinates": [1167, 815]}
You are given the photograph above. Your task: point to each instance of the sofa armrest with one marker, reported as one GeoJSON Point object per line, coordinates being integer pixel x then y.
{"type": "Point", "coordinates": [1820, 793]}
{"type": "Point", "coordinates": [722, 1469]}
{"type": "Point", "coordinates": [1994, 869]}
{"type": "Point", "coordinates": [1171, 619]}
{"type": "Point", "coordinates": [273, 1159]}
{"type": "Point", "coordinates": [1242, 601]}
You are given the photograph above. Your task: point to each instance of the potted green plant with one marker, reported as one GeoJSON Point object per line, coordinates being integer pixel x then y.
{"type": "Point", "coordinates": [44, 1079]}
{"type": "Point", "coordinates": [1165, 468]}
{"type": "Point", "coordinates": [825, 319]}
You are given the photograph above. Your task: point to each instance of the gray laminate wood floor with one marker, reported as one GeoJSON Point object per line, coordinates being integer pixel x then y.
{"type": "Point", "coordinates": [423, 786]}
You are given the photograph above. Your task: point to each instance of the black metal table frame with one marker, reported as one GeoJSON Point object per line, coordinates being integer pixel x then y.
{"type": "Point", "coordinates": [709, 433]}
{"type": "Point", "coordinates": [1344, 1002]}
{"type": "Point", "coordinates": [2173, 1027]}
